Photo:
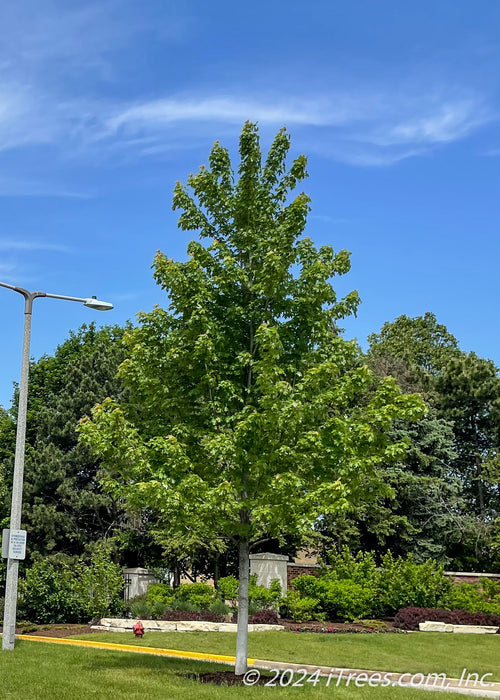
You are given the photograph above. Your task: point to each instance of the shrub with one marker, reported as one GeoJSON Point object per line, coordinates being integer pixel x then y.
{"type": "Point", "coordinates": [264, 617]}
{"type": "Point", "coordinates": [397, 583]}
{"type": "Point", "coordinates": [360, 568]}
{"type": "Point", "coordinates": [185, 606]}
{"type": "Point", "coordinates": [47, 594]}
{"type": "Point", "coordinates": [260, 597]}
{"type": "Point", "coordinates": [484, 597]}
{"type": "Point", "coordinates": [347, 600]}
{"type": "Point", "coordinates": [69, 591]}
{"type": "Point", "coordinates": [158, 609]}
{"type": "Point", "coordinates": [310, 586]}
{"type": "Point", "coordinates": [217, 606]}
{"type": "Point", "coordinates": [199, 595]}
{"type": "Point", "coordinates": [141, 610]}
{"type": "Point", "coordinates": [227, 588]}
{"type": "Point", "coordinates": [253, 608]}
{"type": "Point", "coordinates": [490, 588]}
{"type": "Point", "coordinates": [337, 598]}
{"type": "Point", "coordinates": [28, 627]}
{"type": "Point", "coordinates": [127, 604]}
{"type": "Point", "coordinates": [192, 616]}
{"type": "Point", "coordinates": [403, 582]}
{"type": "Point", "coordinates": [99, 584]}
{"type": "Point", "coordinates": [346, 630]}
{"type": "Point", "coordinates": [372, 624]}
{"type": "Point", "coordinates": [160, 593]}
{"type": "Point", "coordinates": [409, 618]}
{"type": "Point", "coordinates": [300, 608]}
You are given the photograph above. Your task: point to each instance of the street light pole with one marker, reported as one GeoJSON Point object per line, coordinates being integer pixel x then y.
{"type": "Point", "coordinates": [9, 622]}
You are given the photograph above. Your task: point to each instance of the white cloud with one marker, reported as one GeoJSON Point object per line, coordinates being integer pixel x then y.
{"type": "Point", "coordinates": [41, 104]}
{"type": "Point", "coordinates": [450, 121]}
{"type": "Point", "coordinates": [55, 38]}
{"type": "Point", "coordinates": [233, 109]}
{"type": "Point", "coordinates": [16, 245]}
{"type": "Point", "coordinates": [21, 118]}
{"type": "Point", "coordinates": [360, 128]}
{"type": "Point", "coordinates": [8, 272]}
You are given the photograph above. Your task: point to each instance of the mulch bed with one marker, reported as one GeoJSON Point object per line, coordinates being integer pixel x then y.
{"type": "Point", "coordinates": [333, 627]}
{"type": "Point", "coordinates": [68, 630]}
{"type": "Point", "coordinates": [223, 678]}
{"type": "Point", "coordinates": [54, 630]}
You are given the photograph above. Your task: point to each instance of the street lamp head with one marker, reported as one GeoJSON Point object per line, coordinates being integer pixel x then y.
{"type": "Point", "coordinates": [94, 303]}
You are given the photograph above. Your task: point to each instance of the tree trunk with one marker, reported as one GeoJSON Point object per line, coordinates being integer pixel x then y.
{"type": "Point", "coordinates": [242, 632]}
{"type": "Point", "coordinates": [216, 571]}
{"type": "Point", "coordinates": [176, 576]}
{"type": "Point", "coordinates": [480, 487]}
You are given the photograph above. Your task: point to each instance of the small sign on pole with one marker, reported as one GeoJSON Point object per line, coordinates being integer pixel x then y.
{"type": "Point", "coordinates": [14, 544]}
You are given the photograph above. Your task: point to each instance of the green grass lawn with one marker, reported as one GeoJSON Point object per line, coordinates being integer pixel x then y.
{"type": "Point", "coordinates": [429, 652]}
{"type": "Point", "coordinates": [44, 671]}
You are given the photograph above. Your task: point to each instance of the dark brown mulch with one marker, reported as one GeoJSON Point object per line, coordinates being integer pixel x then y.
{"type": "Point", "coordinates": [55, 630]}
{"type": "Point", "coordinates": [191, 615]}
{"type": "Point", "coordinates": [291, 626]}
{"type": "Point", "coordinates": [222, 678]}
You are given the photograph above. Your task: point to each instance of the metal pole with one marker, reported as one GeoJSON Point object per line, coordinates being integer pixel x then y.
{"type": "Point", "coordinates": [9, 622]}
{"type": "Point", "coordinates": [10, 609]}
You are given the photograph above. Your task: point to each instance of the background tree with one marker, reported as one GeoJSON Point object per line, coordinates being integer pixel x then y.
{"type": "Point", "coordinates": [463, 390]}
{"type": "Point", "coordinates": [65, 509]}
{"type": "Point", "coordinates": [420, 511]}
{"type": "Point", "coordinates": [7, 448]}
{"type": "Point", "coordinates": [243, 419]}
{"type": "Point", "coordinates": [414, 349]}
{"type": "Point", "coordinates": [469, 396]}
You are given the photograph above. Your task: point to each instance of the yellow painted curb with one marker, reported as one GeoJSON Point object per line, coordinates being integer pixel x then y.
{"type": "Point", "coordinates": [175, 653]}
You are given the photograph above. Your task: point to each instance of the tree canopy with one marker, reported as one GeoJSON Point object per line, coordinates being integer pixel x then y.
{"type": "Point", "coordinates": [244, 418]}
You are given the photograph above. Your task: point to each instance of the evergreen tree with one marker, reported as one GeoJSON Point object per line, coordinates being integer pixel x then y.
{"type": "Point", "coordinates": [421, 510]}
{"type": "Point", "coordinates": [65, 509]}
{"type": "Point", "coordinates": [464, 390]}
{"type": "Point", "coordinates": [469, 395]}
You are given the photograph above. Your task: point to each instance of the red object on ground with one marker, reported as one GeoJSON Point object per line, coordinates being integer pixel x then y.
{"type": "Point", "coordinates": [138, 629]}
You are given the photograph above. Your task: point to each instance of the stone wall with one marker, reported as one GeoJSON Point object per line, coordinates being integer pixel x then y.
{"type": "Point", "coordinates": [268, 566]}
{"type": "Point", "coordinates": [294, 570]}
{"type": "Point", "coordinates": [470, 577]}
{"type": "Point", "coordinates": [137, 581]}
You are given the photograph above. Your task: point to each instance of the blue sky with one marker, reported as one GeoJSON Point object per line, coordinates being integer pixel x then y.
{"type": "Point", "coordinates": [103, 106]}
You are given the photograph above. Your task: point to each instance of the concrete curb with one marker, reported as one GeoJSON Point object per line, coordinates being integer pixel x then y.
{"type": "Point", "coordinates": [453, 684]}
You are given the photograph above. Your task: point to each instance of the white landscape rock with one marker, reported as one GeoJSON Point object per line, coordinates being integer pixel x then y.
{"type": "Point", "coordinates": [112, 624]}
{"type": "Point", "coordinates": [198, 626]}
{"type": "Point", "coordinates": [166, 626]}
{"type": "Point", "coordinates": [116, 622]}
{"type": "Point", "coordinates": [475, 629]}
{"type": "Point", "coordinates": [432, 626]}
